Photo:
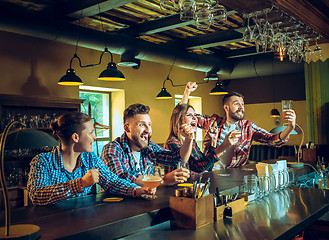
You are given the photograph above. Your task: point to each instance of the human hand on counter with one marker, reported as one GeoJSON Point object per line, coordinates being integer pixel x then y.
{"type": "Point", "coordinates": [177, 176]}
{"type": "Point", "coordinates": [90, 178]}
{"type": "Point", "coordinates": [145, 191]}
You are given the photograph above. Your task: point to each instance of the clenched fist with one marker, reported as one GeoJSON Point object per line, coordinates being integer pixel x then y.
{"type": "Point", "coordinates": [90, 178]}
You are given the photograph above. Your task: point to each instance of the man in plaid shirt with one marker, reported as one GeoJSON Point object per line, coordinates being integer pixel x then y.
{"type": "Point", "coordinates": [128, 155]}
{"type": "Point", "coordinates": [235, 134]}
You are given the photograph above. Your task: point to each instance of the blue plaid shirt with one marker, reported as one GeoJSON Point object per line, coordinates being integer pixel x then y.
{"type": "Point", "coordinates": [118, 156]}
{"type": "Point", "coordinates": [49, 182]}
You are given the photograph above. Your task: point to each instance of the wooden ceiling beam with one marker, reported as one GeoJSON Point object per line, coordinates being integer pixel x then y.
{"type": "Point", "coordinates": [159, 25]}
{"type": "Point", "coordinates": [208, 40]}
{"type": "Point", "coordinates": [97, 8]}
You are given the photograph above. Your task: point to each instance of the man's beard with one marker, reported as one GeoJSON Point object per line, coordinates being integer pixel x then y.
{"type": "Point", "coordinates": [141, 144]}
{"type": "Point", "coordinates": [237, 117]}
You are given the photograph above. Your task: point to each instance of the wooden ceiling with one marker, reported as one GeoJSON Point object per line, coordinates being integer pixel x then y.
{"type": "Point", "coordinates": [144, 19]}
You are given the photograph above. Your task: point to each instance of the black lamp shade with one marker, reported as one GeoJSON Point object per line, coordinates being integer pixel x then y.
{"type": "Point", "coordinates": [29, 138]}
{"type": "Point", "coordinates": [111, 73]}
{"type": "Point", "coordinates": [128, 60]}
{"type": "Point", "coordinates": [70, 79]}
{"type": "Point", "coordinates": [164, 94]}
{"type": "Point", "coordinates": [281, 128]}
{"type": "Point", "coordinates": [218, 90]}
{"type": "Point", "coordinates": [275, 113]}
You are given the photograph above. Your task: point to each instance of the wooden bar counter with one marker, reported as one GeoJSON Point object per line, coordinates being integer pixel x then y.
{"type": "Point", "coordinates": [279, 215]}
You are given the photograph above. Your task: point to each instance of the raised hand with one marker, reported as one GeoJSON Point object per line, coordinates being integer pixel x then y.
{"type": "Point", "coordinates": [90, 178]}
{"type": "Point", "coordinates": [289, 116]}
{"type": "Point", "coordinates": [191, 87]}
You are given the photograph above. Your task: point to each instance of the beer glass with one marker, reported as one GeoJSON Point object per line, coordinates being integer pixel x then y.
{"type": "Point", "coordinates": [151, 178]}
{"type": "Point", "coordinates": [286, 105]}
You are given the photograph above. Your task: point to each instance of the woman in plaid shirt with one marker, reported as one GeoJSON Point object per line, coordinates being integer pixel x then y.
{"type": "Point", "coordinates": [198, 162]}
{"type": "Point", "coordinates": [71, 169]}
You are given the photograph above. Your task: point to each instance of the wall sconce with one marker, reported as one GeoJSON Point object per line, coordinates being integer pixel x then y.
{"type": "Point", "coordinates": [128, 60]}
{"type": "Point", "coordinates": [109, 74]}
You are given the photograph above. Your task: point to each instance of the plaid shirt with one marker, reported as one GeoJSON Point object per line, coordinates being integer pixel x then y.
{"type": "Point", "coordinates": [198, 162]}
{"type": "Point", "coordinates": [49, 182]}
{"type": "Point", "coordinates": [118, 156]}
{"type": "Point", "coordinates": [250, 131]}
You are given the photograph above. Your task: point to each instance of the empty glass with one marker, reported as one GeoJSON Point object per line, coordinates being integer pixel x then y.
{"type": "Point", "coordinates": [203, 18]}
{"type": "Point", "coordinates": [286, 104]}
{"type": "Point", "coordinates": [264, 185]}
{"type": "Point", "coordinates": [251, 184]}
{"type": "Point", "coordinates": [167, 4]}
{"type": "Point", "coordinates": [187, 9]}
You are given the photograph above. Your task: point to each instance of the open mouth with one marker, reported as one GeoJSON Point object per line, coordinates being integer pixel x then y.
{"type": "Point", "coordinates": [193, 124]}
{"type": "Point", "coordinates": [144, 138]}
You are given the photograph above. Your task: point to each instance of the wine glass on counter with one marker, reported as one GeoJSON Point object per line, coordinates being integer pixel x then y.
{"type": "Point", "coordinates": [152, 178]}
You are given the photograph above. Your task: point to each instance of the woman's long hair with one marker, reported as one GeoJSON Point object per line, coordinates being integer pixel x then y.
{"type": "Point", "coordinates": [176, 120]}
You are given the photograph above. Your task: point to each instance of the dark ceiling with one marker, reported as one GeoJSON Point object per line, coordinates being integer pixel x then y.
{"type": "Point", "coordinates": [146, 21]}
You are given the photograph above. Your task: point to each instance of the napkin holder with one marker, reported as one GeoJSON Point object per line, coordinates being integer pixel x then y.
{"type": "Point", "coordinates": [191, 213]}
{"type": "Point", "coordinates": [237, 206]}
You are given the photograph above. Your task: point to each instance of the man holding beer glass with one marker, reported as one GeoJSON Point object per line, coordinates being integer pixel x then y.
{"type": "Point", "coordinates": [235, 134]}
{"type": "Point", "coordinates": [129, 155]}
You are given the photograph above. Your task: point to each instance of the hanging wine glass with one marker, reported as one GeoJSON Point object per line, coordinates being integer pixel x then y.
{"type": "Point", "coordinates": [203, 17]}
{"type": "Point", "coordinates": [317, 52]}
{"type": "Point", "coordinates": [248, 33]}
{"type": "Point", "coordinates": [219, 13]}
{"type": "Point", "coordinates": [187, 9]}
{"type": "Point", "coordinates": [167, 5]}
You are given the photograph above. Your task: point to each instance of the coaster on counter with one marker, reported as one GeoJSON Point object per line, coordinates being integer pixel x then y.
{"type": "Point", "coordinates": [184, 184]}
{"type": "Point", "coordinates": [112, 199]}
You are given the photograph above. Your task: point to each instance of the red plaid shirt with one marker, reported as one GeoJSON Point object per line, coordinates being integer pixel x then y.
{"type": "Point", "coordinates": [198, 162]}
{"type": "Point", "coordinates": [118, 156]}
{"type": "Point", "coordinates": [250, 131]}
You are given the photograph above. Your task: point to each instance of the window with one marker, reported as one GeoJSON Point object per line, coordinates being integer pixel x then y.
{"type": "Point", "coordinates": [99, 106]}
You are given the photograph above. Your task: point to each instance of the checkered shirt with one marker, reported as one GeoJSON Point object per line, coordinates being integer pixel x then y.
{"type": "Point", "coordinates": [250, 131]}
{"type": "Point", "coordinates": [49, 183]}
{"type": "Point", "coordinates": [118, 156]}
{"type": "Point", "coordinates": [198, 162]}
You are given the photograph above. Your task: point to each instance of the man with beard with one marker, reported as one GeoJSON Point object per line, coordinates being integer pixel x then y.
{"type": "Point", "coordinates": [128, 155]}
{"type": "Point", "coordinates": [235, 134]}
